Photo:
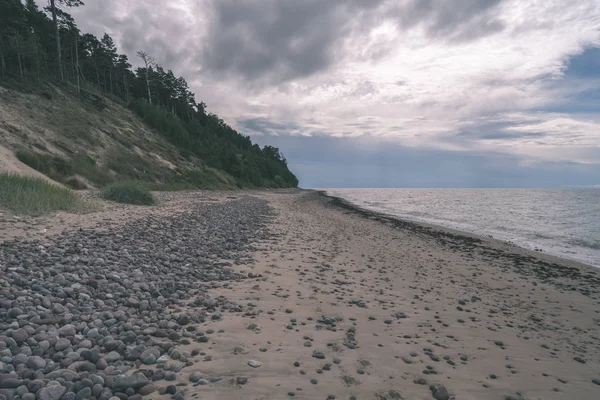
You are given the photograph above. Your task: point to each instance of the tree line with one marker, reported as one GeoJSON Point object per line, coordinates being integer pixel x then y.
{"type": "Point", "coordinates": [39, 45]}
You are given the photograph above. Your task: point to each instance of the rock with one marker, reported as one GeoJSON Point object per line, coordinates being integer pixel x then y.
{"type": "Point", "coordinates": [112, 357]}
{"type": "Point", "coordinates": [596, 381]}
{"type": "Point", "coordinates": [67, 330]}
{"type": "Point", "coordinates": [35, 385]}
{"type": "Point", "coordinates": [439, 392]}
{"type": "Point", "coordinates": [146, 390]}
{"type": "Point", "coordinates": [62, 344]}
{"type": "Point", "coordinates": [579, 360]}
{"type": "Point", "coordinates": [84, 393]}
{"type": "Point", "coordinates": [195, 377]}
{"type": "Point", "coordinates": [135, 381]}
{"type": "Point", "coordinates": [51, 392]}
{"type": "Point", "coordinates": [10, 383]}
{"type": "Point", "coordinates": [241, 380]}
{"type": "Point", "coordinates": [20, 335]}
{"type": "Point", "coordinates": [254, 363]}
{"type": "Point", "coordinates": [149, 356]}
{"type": "Point", "coordinates": [513, 397]}
{"type": "Point", "coordinates": [171, 389]}
{"type": "Point", "coordinates": [35, 362]}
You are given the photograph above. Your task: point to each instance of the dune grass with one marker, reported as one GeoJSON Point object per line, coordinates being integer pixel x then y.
{"type": "Point", "coordinates": [34, 196]}
{"type": "Point", "coordinates": [129, 192]}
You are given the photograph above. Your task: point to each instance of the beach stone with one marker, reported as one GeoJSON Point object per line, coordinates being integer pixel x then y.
{"type": "Point", "coordinates": [135, 381]}
{"type": "Point", "coordinates": [195, 377]}
{"type": "Point", "coordinates": [35, 362]}
{"type": "Point", "coordinates": [67, 330]}
{"type": "Point", "coordinates": [112, 357]}
{"type": "Point", "coordinates": [171, 389]}
{"type": "Point", "coordinates": [439, 392]}
{"type": "Point", "coordinates": [62, 344]}
{"type": "Point", "coordinates": [53, 391]}
{"type": "Point", "coordinates": [20, 335]}
{"type": "Point", "coordinates": [254, 363]}
{"type": "Point", "coordinates": [147, 389]}
{"type": "Point", "coordinates": [84, 393]}
{"type": "Point", "coordinates": [35, 385]}
{"type": "Point", "coordinates": [149, 356]}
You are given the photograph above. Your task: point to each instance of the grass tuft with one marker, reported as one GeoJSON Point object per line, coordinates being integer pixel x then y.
{"type": "Point", "coordinates": [130, 192]}
{"type": "Point", "coordinates": [35, 196]}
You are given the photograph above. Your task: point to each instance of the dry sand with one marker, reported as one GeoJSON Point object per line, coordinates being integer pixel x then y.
{"type": "Point", "coordinates": [393, 307]}
{"type": "Point", "coordinates": [420, 306]}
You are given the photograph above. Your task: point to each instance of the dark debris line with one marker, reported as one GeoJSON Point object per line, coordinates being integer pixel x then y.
{"type": "Point", "coordinates": [79, 310]}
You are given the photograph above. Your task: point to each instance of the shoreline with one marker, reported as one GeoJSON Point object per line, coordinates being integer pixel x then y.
{"type": "Point", "coordinates": [546, 256]}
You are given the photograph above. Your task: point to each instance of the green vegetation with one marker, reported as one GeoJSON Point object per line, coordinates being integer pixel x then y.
{"type": "Point", "coordinates": [62, 170]}
{"type": "Point", "coordinates": [129, 192]}
{"type": "Point", "coordinates": [35, 50]}
{"type": "Point", "coordinates": [34, 196]}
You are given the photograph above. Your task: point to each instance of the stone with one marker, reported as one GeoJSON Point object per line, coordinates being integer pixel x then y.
{"type": "Point", "coordinates": [20, 335]}
{"type": "Point", "coordinates": [254, 363]}
{"type": "Point", "coordinates": [67, 330]}
{"type": "Point", "coordinates": [439, 392]}
{"type": "Point", "coordinates": [135, 381]}
{"type": "Point", "coordinates": [35, 362]}
{"type": "Point", "coordinates": [147, 389]}
{"type": "Point", "coordinates": [62, 344]}
{"type": "Point", "coordinates": [84, 393]}
{"type": "Point", "coordinates": [149, 356]}
{"type": "Point", "coordinates": [51, 392]}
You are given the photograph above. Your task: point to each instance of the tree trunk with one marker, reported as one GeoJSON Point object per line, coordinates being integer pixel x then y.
{"type": "Point", "coordinates": [77, 64]}
{"type": "Point", "coordinates": [97, 74]}
{"type": "Point", "coordinates": [2, 62]}
{"type": "Point", "coordinates": [57, 37]}
{"type": "Point", "coordinates": [73, 71]}
{"type": "Point", "coordinates": [125, 86]}
{"type": "Point", "coordinates": [17, 42]}
{"type": "Point", "coordinates": [37, 58]}
{"type": "Point", "coordinates": [148, 86]}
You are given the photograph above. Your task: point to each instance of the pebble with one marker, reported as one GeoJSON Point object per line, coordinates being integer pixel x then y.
{"type": "Point", "coordinates": [97, 300]}
{"type": "Point", "coordinates": [254, 363]}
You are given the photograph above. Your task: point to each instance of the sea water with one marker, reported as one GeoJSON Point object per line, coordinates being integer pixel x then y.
{"type": "Point", "coordinates": [562, 222]}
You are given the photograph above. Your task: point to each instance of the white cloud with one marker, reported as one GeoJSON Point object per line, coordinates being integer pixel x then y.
{"type": "Point", "coordinates": [419, 82]}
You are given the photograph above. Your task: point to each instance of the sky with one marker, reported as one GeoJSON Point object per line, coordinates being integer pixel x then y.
{"type": "Point", "coordinates": [388, 93]}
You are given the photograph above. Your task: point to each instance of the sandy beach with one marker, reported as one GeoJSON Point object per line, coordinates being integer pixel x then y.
{"type": "Point", "coordinates": [339, 303]}
{"type": "Point", "coordinates": [418, 306]}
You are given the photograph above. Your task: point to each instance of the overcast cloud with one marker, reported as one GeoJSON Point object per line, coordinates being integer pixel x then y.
{"type": "Point", "coordinates": [510, 84]}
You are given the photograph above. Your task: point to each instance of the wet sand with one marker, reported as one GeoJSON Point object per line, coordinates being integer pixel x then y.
{"type": "Point", "coordinates": [343, 302]}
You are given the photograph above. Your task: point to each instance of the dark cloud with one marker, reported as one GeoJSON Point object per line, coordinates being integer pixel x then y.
{"type": "Point", "coordinates": [460, 20]}
{"type": "Point", "coordinates": [277, 40]}
{"type": "Point", "coordinates": [280, 40]}
{"type": "Point", "coordinates": [274, 41]}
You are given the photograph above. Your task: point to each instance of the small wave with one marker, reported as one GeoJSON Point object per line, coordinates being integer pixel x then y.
{"type": "Point", "coordinates": [595, 245]}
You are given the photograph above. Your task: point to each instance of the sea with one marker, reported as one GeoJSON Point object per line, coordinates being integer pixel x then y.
{"type": "Point", "coordinates": [561, 222]}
